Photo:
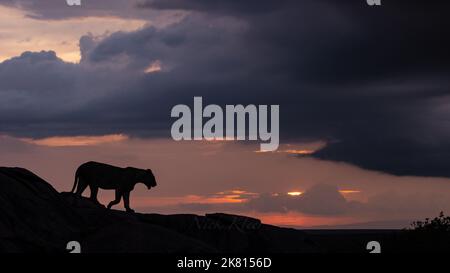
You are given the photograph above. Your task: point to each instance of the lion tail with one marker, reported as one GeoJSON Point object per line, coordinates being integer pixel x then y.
{"type": "Point", "coordinates": [75, 183]}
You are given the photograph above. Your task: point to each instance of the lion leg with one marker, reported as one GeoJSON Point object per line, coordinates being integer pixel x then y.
{"type": "Point", "coordinates": [82, 185]}
{"type": "Point", "coordinates": [126, 201]}
{"type": "Point", "coordinates": [115, 201]}
{"type": "Point", "coordinates": [94, 192]}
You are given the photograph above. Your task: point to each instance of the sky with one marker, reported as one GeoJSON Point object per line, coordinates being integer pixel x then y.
{"type": "Point", "coordinates": [363, 94]}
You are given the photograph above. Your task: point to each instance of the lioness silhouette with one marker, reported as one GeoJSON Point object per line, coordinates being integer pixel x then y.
{"type": "Point", "coordinates": [99, 175]}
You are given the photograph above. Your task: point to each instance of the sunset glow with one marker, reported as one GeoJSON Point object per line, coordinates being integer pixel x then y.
{"type": "Point", "coordinates": [298, 152]}
{"type": "Point", "coordinates": [349, 191]}
{"type": "Point", "coordinates": [295, 193]}
{"type": "Point", "coordinates": [301, 220]}
{"type": "Point", "coordinates": [76, 140]}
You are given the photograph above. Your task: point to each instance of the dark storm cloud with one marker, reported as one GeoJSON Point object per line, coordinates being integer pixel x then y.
{"type": "Point", "coordinates": [340, 41]}
{"type": "Point", "coordinates": [223, 7]}
{"type": "Point", "coordinates": [370, 80]}
{"type": "Point", "coordinates": [43, 96]}
{"type": "Point", "coordinates": [58, 9]}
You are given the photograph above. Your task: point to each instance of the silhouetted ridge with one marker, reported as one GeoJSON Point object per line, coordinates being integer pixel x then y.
{"type": "Point", "coordinates": [35, 217]}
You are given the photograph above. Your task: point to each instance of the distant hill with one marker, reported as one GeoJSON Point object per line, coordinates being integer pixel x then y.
{"type": "Point", "coordinates": [34, 217]}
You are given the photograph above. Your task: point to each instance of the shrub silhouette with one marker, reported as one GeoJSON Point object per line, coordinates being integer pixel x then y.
{"type": "Point", "coordinates": [438, 224]}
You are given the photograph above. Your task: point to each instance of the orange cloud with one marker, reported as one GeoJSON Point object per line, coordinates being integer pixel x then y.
{"type": "Point", "coordinates": [223, 197]}
{"type": "Point", "coordinates": [71, 141]}
{"type": "Point", "coordinates": [297, 149]}
{"type": "Point", "coordinates": [155, 66]}
{"type": "Point", "coordinates": [298, 152]}
{"type": "Point", "coordinates": [349, 191]}
{"type": "Point", "coordinates": [231, 196]}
